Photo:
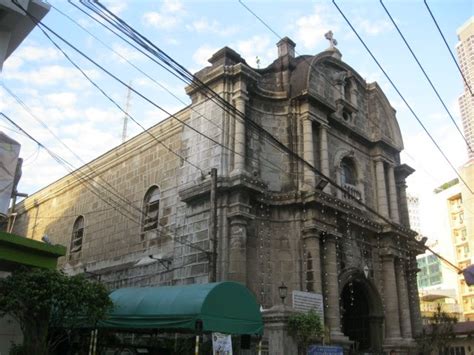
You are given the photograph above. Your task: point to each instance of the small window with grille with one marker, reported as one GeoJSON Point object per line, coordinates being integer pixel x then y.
{"type": "Point", "coordinates": [77, 235]}
{"type": "Point", "coordinates": [151, 209]}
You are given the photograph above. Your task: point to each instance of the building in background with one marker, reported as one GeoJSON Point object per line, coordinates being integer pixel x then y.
{"type": "Point", "coordinates": [465, 49]}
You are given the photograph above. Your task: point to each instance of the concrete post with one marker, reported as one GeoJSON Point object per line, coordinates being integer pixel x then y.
{"type": "Point", "coordinates": [393, 195]}
{"type": "Point", "coordinates": [276, 323]}
{"type": "Point", "coordinates": [308, 152]}
{"type": "Point", "coordinates": [381, 188]}
{"type": "Point", "coordinates": [238, 250]}
{"type": "Point", "coordinates": [392, 316]}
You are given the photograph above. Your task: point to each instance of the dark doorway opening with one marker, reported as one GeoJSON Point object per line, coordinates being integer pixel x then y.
{"type": "Point", "coordinates": [356, 315]}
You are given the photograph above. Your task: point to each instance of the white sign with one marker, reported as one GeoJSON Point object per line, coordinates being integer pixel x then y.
{"type": "Point", "coordinates": [305, 301]}
{"type": "Point", "coordinates": [221, 344]}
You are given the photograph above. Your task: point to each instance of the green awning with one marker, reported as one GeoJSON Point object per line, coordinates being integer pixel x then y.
{"type": "Point", "coordinates": [226, 307]}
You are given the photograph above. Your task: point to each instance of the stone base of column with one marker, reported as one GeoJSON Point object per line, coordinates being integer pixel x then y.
{"type": "Point", "coordinates": [338, 338]}
{"type": "Point", "coordinates": [395, 344]}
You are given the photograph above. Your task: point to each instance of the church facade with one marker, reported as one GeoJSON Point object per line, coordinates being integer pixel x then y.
{"type": "Point", "coordinates": [335, 224]}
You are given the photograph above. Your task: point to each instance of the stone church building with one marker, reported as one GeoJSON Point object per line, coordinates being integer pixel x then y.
{"type": "Point", "coordinates": [278, 220]}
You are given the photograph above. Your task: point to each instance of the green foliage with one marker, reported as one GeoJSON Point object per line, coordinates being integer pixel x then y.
{"type": "Point", "coordinates": [42, 300]}
{"type": "Point", "coordinates": [306, 328]}
{"type": "Point", "coordinates": [438, 334]}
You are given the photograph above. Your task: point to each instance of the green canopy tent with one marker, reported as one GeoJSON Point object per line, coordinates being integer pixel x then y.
{"type": "Point", "coordinates": [226, 307]}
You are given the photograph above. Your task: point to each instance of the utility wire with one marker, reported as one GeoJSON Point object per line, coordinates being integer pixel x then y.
{"type": "Point", "coordinates": [115, 103]}
{"type": "Point", "coordinates": [426, 75]}
{"type": "Point", "coordinates": [92, 172]}
{"type": "Point", "coordinates": [401, 96]}
{"type": "Point", "coordinates": [266, 134]}
{"type": "Point", "coordinates": [65, 164]}
{"type": "Point", "coordinates": [447, 46]}
{"type": "Point", "coordinates": [131, 63]}
{"type": "Point", "coordinates": [276, 34]}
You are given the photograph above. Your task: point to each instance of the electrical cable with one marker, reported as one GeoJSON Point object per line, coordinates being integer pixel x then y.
{"type": "Point", "coordinates": [266, 134]}
{"type": "Point", "coordinates": [65, 164]}
{"type": "Point", "coordinates": [447, 46]}
{"type": "Point", "coordinates": [132, 64]}
{"type": "Point", "coordinates": [401, 96]}
{"type": "Point", "coordinates": [426, 75]}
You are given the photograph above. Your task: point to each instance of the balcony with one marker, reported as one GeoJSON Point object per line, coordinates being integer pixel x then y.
{"type": "Point", "coordinates": [352, 193]}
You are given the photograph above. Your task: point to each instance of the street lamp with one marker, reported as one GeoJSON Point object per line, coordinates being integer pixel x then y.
{"type": "Point", "coordinates": [283, 292]}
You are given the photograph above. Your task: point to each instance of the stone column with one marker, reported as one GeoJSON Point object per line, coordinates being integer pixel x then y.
{"type": "Point", "coordinates": [276, 330]}
{"type": "Point", "coordinates": [381, 188]}
{"type": "Point", "coordinates": [392, 317]}
{"type": "Point", "coordinates": [239, 141]}
{"type": "Point", "coordinates": [331, 292]}
{"type": "Point", "coordinates": [324, 152]}
{"type": "Point", "coordinates": [402, 192]}
{"type": "Point", "coordinates": [416, 323]}
{"type": "Point", "coordinates": [313, 260]}
{"type": "Point", "coordinates": [308, 151]}
{"type": "Point", "coordinates": [393, 195]}
{"type": "Point", "coordinates": [403, 301]}
{"type": "Point", "coordinates": [238, 250]}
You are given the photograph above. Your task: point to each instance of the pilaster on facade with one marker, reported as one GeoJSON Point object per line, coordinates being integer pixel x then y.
{"type": "Point", "coordinates": [240, 99]}
{"type": "Point", "coordinates": [312, 251]}
{"type": "Point", "coordinates": [332, 315]}
{"type": "Point", "coordinates": [382, 198]}
{"type": "Point", "coordinates": [391, 301]}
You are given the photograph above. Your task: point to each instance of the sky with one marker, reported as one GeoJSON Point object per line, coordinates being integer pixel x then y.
{"type": "Point", "coordinates": [61, 103]}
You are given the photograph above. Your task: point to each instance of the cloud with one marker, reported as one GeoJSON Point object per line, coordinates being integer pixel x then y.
{"type": "Point", "coordinates": [50, 75]}
{"type": "Point", "coordinates": [116, 6]}
{"type": "Point", "coordinates": [373, 28]}
{"type": "Point", "coordinates": [310, 29]}
{"type": "Point", "coordinates": [169, 16]}
{"type": "Point", "coordinates": [202, 54]}
{"type": "Point", "coordinates": [256, 46]}
{"type": "Point", "coordinates": [62, 99]}
{"type": "Point", "coordinates": [36, 53]}
{"type": "Point", "coordinates": [205, 26]}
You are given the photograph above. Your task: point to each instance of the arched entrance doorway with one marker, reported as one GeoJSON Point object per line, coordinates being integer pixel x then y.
{"type": "Point", "coordinates": [361, 312]}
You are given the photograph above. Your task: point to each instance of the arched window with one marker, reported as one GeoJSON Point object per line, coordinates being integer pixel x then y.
{"type": "Point", "coordinates": [77, 235]}
{"type": "Point", "coordinates": [348, 172]}
{"type": "Point", "coordinates": [151, 209]}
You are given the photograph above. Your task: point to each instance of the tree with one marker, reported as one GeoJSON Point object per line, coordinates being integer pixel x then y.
{"type": "Point", "coordinates": [46, 300]}
{"type": "Point", "coordinates": [438, 334]}
{"type": "Point", "coordinates": [306, 328]}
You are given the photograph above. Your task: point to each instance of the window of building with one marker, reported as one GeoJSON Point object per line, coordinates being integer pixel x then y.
{"type": "Point", "coordinates": [151, 209]}
{"type": "Point", "coordinates": [348, 172]}
{"type": "Point", "coordinates": [77, 235]}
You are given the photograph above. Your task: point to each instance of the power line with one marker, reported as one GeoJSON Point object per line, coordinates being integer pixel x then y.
{"type": "Point", "coordinates": [129, 62]}
{"type": "Point", "coordinates": [426, 75]}
{"type": "Point", "coordinates": [196, 81]}
{"type": "Point", "coordinates": [66, 165]}
{"type": "Point", "coordinates": [447, 46]}
{"type": "Point", "coordinates": [109, 189]}
{"type": "Point", "coordinates": [401, 96]}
